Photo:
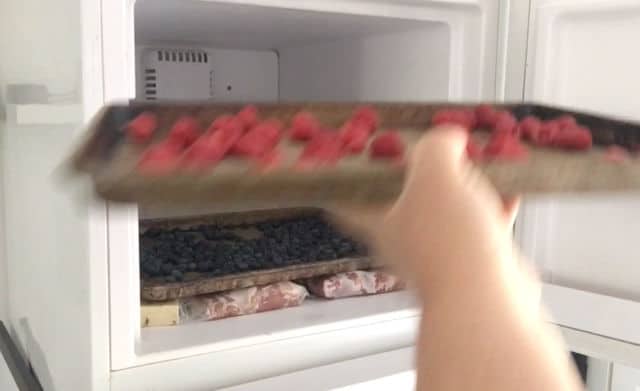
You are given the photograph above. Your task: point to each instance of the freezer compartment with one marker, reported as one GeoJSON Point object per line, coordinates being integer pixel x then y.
{"type": "Point", "coordinates": [113, 160]}
{"type": "Point", "coordinates": [268, 53]}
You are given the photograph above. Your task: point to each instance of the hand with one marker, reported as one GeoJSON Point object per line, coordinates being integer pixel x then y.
{"type": "Point", "coordinates": [448, 227]}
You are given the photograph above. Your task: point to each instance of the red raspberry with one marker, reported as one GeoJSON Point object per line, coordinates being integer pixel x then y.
{"type": "Point", "coordinates": [506, 123]}
{"type": "Point", "coordinates": [505, 146]}
{"type": "Point", "coordinates": [212, 147]}
{"type": "Point", "coordinates": [184, 132]}
{"type": "Point", "coordinates": [304, 126]}
{"type": "Point", "coordinates": [566, 121]}
{"type": "Point", "coordinates": [529, 127]}
{"type": "Point", "coordinates": [324, 149]}
{"type": "Point", "coordinates": [547, 134]}
{"type": "Point", "coordinates": [367, 116]}
{"type": "Point", "coordinates": [616, 154]}
{"type": "Point", "coordinates": [354, 137]}
{"type": "Point", "coordinates": [221, 122]}
{"type": "Point", "coordinates": [464, 118]}
{"type": "Point", "coordinates": [270, 160]}
{"type": "Point", "coordinates": [141, 128]}
{"type": "Point", "coordinates": [248, 117]}
{"type": "Point", "coordinates": [160, 158]}
{"type": "Point", "coordinates": [259, 140]}
{"type": "Point", "coordinates": [388, 145]}
{"type": "Point", "coordinates": [485, 114]}
{"type": "Point", "coordinates": [576, 137]}
{"type": "Point", "coordinates": [474, 152]}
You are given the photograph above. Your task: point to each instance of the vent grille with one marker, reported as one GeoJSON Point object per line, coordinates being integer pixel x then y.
{"type": "Point", "coordinates": [177, 55]}
{"type": "Point", "coordinates": [150, 84]}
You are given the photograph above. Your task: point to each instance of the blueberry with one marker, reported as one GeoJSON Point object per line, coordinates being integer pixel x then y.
{"type": "Point", "coordinates": [170, 279]}
{"type": "Point", "coordinates": [192, 266]}
{"type": "Point", "coordinates": [177, 274]}
{"type": "Point", "coordinates": [167, 269]}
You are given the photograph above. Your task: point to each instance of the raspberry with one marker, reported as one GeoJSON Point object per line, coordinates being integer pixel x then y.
{"type": "Point", "coordinates": [354, 137]}
{"type": "Point", "coordinates": [464, 118]}
{"type": "Point", "coordinates": [506, 123]}
{"type": "Point", "coordinates": [159, 159]}
{"type": "Point", "coordinates": [212, 147]}
{"type": "Point", "coordinates": [505, 146]}
{"type": "Point", "coordinates": [576, 137]}
{"type": "Point", "coordinates": [259, 140]}
{"type": "Point", "coordinates": [474, 152]}
{"type": "Point", "coordinates": [324, 149]}
{"type": "Point", "coordinates": [616, 154]}
{"type": "Point", "coordinates": [546, 135]}
{"type": "Point", "coordinates": [367, 116]}
{"type": "Point", "coordinates": [304, 126]}
{"type": "Point", "coordinates": [269, 160]}
{"type": "Point", "coordinates": [566, 121]}
{"type": "Point", "coordinates": [388, 145]}
{"type": "Point", "coordinates": [184, 132]}
{"type": "Point", "coordinates": [486, 116]}
{"type": "Point", "coordinates": [529, 127]}
{"type": "Point", "coordinates": [221, 122]}
{"type": "Point", "coordinates": [141, 128]}
{"type": "Point", "coordinates": [248, 116]}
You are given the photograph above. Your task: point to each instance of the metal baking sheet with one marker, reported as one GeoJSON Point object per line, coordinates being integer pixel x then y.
{"type": "Point", "coordinates": [111, 160]}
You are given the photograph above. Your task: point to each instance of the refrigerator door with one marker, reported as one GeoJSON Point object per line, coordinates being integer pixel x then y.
{"type": "Point", "coordinates": [579, 56]}
{"type": "Point", "coordinates": [54, 239]}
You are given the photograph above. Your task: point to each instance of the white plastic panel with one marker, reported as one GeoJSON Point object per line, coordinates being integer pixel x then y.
{"type": "Point", "coordinates": [407, 66]}
{"type": "Point", "coordinates": [625, 378]}
{"type": "Point", "coordinates": [384, 371]}
{"type": "Point", "coordinates": [4, 292]}
{"type": "Point", "coordinates": [53, 245]}
{"type": "Point", "coordinates": [579, 57]}
{"type": "Point", "coordinates": [225, 75]}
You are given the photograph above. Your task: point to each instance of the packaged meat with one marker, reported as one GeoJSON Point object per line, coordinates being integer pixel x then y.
{"type": "Point", "coordinates": [242, 302]}
{"type": "Point", "coordinates": [356, 283]}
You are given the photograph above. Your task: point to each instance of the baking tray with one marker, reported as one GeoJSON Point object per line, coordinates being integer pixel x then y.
{"type": "Point", "coordinates": [110, 159]}
{"type": "Point", "coordinates": [155, 289]}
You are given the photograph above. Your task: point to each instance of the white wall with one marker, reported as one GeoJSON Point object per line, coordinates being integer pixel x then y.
{"type": "Point", "coordinates": [405, 66]}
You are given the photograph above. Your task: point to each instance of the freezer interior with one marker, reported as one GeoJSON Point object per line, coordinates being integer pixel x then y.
{"type": "Point", "coordinates": [258, 53]}
{"type": "Point", "coordinates": [203, 50]}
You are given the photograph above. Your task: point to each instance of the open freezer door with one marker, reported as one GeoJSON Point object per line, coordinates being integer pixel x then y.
{"type": "Point", "coordinates": [586, 247]}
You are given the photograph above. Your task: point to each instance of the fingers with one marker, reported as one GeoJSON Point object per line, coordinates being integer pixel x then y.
{"type": "Point", "coordinates": [443, 145]}
{"type": "Point", "coordinates": [511, 207]}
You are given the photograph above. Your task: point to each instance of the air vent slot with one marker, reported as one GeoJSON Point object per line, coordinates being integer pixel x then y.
{"type": "Point", "coordinates": [179, 55]}
{"type": "Point", "coordinates": [150, 83]}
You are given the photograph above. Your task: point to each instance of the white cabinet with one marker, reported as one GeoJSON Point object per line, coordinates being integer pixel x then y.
{"type": "Point", "coordinates": [579, 56]}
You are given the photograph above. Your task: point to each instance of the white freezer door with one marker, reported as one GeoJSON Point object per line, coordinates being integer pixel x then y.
{"type": "Point", "coordinates": [580, 55]}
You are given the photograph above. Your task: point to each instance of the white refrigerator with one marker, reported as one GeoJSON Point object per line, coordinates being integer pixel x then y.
{"type": "Point", "coordinates": [69, 267]}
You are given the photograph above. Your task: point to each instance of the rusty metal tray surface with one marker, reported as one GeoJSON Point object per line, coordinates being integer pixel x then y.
{"type": "Point", "coordinates": [110, 159]}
